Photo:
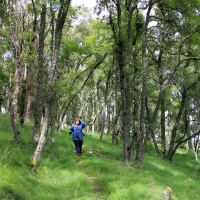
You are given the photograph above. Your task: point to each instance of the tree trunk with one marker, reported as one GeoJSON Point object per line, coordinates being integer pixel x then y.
{"type": "Point", "coordinates": [22, 103]}
{"type": "Point", "coordinates": [162, 105]}
{"type": "Point", "coordinates": [151, 122]}
{"type": "Point", "coordinates": [187, 130]}
{"type": "Point", "coordinates": [172, 147]}
{"type": "Point", "coordinates": [62, 122]}
{"type": "Point", "coordinates": [14, 102]}
{"type": "Point", "coordinates": [123, 65]}
{"type": "Point", "coordinates": [17, 48]}
{"type": "Point", "coordinates": [42, 141]}
{"type": "Point", "coordinates": [30, 78]}
{"type": "Point", "coordinates": [136, 94]}
{"type": "Point", "coordinates": [196, 147]}
{"type": "Point", "coordinates": [140, 153]}
{"type": "Point", "coordinates": [38, 103]}
{"type": "Point", "coordinates": [115, 129]}
{"type": "Point", "coordinates": [27, 118]}
{"type": "Point", "coordinates": [93, 117]}
{"type": "Point", "coordinates": [53, 114]}
{"type": "Point", "coordinates": [108, 119]}
{"type": "Point", "coordinates": [102, 124]}
{"type": "Point", "coordinates": [162, 124]}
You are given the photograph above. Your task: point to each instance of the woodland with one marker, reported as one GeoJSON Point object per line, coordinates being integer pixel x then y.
{"type": "Point", "coordinates": [129, 69]}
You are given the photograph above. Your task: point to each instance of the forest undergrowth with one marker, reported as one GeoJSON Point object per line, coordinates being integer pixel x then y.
{"type": "Point", "coordinates": [99, 174]}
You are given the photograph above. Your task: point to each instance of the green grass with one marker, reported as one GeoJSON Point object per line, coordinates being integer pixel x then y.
{"type": "Point", "coordinates": [99, 175]}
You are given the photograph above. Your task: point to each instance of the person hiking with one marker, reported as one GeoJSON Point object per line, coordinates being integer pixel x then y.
{"type": "Point", "coordinates": [77, 134]}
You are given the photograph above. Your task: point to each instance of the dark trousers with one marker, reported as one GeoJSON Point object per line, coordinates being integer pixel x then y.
{"type": "Point", "coordinates": [78, 145]}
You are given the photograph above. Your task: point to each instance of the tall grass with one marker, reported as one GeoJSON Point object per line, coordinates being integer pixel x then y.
{"type": "Point", "coordinates": [98, 174]}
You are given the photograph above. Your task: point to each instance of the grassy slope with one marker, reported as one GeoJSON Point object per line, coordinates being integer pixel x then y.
{"type": "Point", "coordinates": [97, 175]}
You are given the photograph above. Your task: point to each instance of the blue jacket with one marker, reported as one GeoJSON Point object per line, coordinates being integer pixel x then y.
{"type": "Point", "coordinates": [77, 131]}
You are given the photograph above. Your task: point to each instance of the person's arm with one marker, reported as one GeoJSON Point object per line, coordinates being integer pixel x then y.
{"type": "Point", "coordinates": [71, 130]}
{"type": "Point", "coordinates": [83, 124]}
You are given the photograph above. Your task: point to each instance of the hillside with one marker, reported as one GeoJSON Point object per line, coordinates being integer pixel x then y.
{"type": "Point", "coordinates": [98, 174]}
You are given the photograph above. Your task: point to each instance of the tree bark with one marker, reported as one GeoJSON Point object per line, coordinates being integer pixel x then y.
{"type": "Point", "coordinates": [135, 127]}
{"type": "Point", "coordinates": [30, 78]}
{"type": "Point", "coordinates": [38, 103]}
{"type": "Point", "coordinates": [22, 103]}
{"type": "Point", "coordinates": [151, 121]}
{"type": "Point", "coordinates": [173, 146]}
{"type": "Point", "coordinates": [123, 66]}
{"type": "Point", "coordinates": [115, 129]}
{"type": "Point", "coordinates": [17, 48]}
{"type": "Point", "coordinates": [140, 153]}
{"type": "Point", "coordinates": [42, 141]}
{"type": "Point", "coordinates": [187, 130]}
{"type": "Point", "coordinates": [162, 105]}
{"type": "Point", "coordinates": [14, 101]}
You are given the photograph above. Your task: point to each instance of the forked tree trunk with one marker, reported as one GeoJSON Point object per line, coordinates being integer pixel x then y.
{"type": "Point", "coordinates": [55, 50]}
{"type": "Point", "coordinates": [173, 146]}
{"type": "Point", "coordinates": [151, 122]}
